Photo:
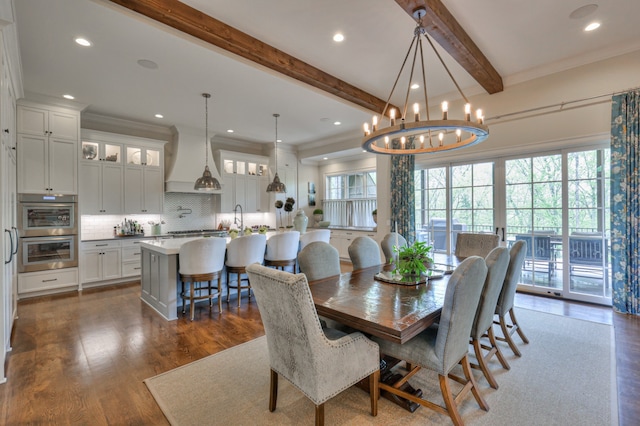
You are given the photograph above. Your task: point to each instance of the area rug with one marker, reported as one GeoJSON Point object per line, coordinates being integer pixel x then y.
{"type": "Point", "coordinates": [566, 376]}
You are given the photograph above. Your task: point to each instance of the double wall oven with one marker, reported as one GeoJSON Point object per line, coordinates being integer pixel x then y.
{"type": "Point", "coordinates": [48, 228]}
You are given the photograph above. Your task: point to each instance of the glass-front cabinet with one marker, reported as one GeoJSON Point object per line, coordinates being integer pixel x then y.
{"type": "Point", "coordinates": [143, 156]}
{"type": "Point", "coordinates": [245, 179]}
{"type": "Point", "coordinates": [100, 151]}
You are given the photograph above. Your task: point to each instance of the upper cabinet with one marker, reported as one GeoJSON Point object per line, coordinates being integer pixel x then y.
{"type": "Point", "coordinates": [101, 175]}
{"type": "Point", "coordinates": [144, 179]}
{"type": "Point", "coordinates": [244, 179]}
{"type": "Point", "coordinates": [47, 146]}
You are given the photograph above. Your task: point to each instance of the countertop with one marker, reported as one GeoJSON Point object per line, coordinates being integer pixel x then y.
{"type": "Point", "coordinates": [172, 246]}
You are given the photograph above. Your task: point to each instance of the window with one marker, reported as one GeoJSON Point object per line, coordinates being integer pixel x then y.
{"type": "Point", "coordinates": [350, 199]}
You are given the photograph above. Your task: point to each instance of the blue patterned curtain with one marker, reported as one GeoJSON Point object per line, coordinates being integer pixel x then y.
{"type": "Point", "coordinates": [403, 201]}
{"type": "Point", "coordinates": [625, 201]}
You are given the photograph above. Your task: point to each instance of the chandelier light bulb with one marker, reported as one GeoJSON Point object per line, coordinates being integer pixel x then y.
{"type": "Point", "coordinates": [441, 137]}
{"type": "Point", "coordinates": [479, 116]}
{"type": "Point", "coordinates": [458, 135]}
{"type": "Point", "coordinates": [403, 140]}
{"type": "Point", "coordinates": [467, 112]}
{"type": "Point", "coordinates": [421, 141]}
{"type": "Point", "coordinates": [416, 111]}
{"type": "Point", "coordinates": [365, 127]}
{"type": "Point", "coordinates": [386, 142]}
{"type": "Point", "coordinates": [392, 116]}
{"type": "Point", "coordinates": [445, 110]}
{"type": "Point", "coordinates": [375, 123]}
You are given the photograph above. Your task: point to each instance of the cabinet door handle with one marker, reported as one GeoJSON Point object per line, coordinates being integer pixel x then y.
{"type": "Point", "coordinates": [102, 245]}
{"type": "Point", "coordinates": [47, 281]}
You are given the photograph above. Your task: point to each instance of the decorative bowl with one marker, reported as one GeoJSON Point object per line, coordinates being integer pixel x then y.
{"type": "Point", "coordinates": [324, 224]}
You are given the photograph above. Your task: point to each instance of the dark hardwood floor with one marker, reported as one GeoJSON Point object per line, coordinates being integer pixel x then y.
{"type": "Point", "coordinates": [81, 358]}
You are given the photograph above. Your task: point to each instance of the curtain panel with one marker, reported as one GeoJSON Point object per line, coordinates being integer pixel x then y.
{"type": "Point", "coordinates": [403, 197]}
{"type": "Point", "coordinates": [625, 201]}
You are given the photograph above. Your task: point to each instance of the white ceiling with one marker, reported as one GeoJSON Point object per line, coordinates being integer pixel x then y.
{"type": "Point", "coordinates": [522, 39]}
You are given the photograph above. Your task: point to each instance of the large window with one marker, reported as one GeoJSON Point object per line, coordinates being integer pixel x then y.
{"type": "Point", "coordinates": [350, 199]}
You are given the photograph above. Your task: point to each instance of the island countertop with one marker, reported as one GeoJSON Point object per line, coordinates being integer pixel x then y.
{"type": "Point", "coordinates": [172, 246]}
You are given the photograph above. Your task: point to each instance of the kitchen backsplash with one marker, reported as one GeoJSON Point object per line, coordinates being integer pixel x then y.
{"type": "Point", "coordinates": [181, 212]}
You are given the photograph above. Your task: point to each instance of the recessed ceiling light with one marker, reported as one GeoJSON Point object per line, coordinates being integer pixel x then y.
{"type": "Point", "coordinates": [68, 96]}
{"type": "Point", "coordinates": [325, 158]}
{"type": "Point", "coordinates": [83, 42]}
{"type": "Point", "coordinates": [148, 64]}
{"type": "Point", "coordinates": [230, 131]}
{"type": "Point", "coordinates": [415, 86]}
{"type": "Point", "coordinates": [336, 123]}
{"type": "Point", "coordinates": [583, 11]}
{"type": "Point", "coordinates": [338, 37]}
{"type": "Point", "coordinates": [278, 140]}
{"type": "Point", "coordinates": [159, 116]}
{"type": "Point", "coordinates": [592, 26]}
{"type": "Point", "coordinates": [364, 150]}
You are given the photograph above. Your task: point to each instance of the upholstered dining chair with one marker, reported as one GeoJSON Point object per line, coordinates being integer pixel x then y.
{"type": "Point", "coordinates": [319, 260]}
{"type": "Point", "coordinates": [440, 348]}
{"type": "Point", "coordinates": [388, 242]}
{"type": "Point", "coordinates": [242, 252]}
{"type": "Point", "coordinates": [364, 252]}
{"type": "Point", "coordinates": [497, 263]}
{"type": "Point", "coordinates": [282, 250]}
{"type": "Point", "coordinates": [470, 244]}
{"type": "Point", "coordinates": [316, 235]}
{"type": "Point", "coordinates": [201, 261]}
{"type": "Point", "coordinates": [319, 362]}
{"type": "Point", "coordinates": [504, 306]}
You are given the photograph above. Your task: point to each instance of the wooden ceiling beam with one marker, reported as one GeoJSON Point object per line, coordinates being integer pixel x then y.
{"type": "Point", "coordinates": [206, 28]}
{"type": "Point", "coordinates": [443, 27]}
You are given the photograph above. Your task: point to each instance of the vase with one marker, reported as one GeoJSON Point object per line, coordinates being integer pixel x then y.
{"type": "Point", "coordinates": [300, 221]}
{"type": "Point", "coordinates": [317, 218]}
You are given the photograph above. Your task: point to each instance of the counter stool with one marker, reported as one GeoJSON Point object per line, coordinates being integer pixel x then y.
{"type": "Point", "coordinates": [316, 235]}
{"type": "Point", "coordinates": [282, 250]}
{"type": "Point", "coordinates": [201, 261]}
{"type": "Point", "coordinates": [242, 252]}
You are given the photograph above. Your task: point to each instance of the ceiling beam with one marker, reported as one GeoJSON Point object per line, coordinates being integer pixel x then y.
{"type": "Point", "coordinates": [197, 24]}
{"type": "Point", "coordinates": [443, 27]}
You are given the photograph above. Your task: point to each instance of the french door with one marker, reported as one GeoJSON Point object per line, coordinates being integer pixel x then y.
{"type": "Point", "coordinates": [558, 203]}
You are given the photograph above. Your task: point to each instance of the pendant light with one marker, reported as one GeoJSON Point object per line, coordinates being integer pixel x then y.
{"type": "Point", "coordinates": [276, 185]}
{"type": "Point", "coordinates": [207, 182]}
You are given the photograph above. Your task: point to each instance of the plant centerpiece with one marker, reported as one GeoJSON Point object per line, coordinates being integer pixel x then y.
{"type": "Point", "coordinates": [317, 215]}
{"type": "Point", "coordinates": [413, 260]}
{"type": "Point", "coordinates": [279, 205]}
{"type": "Point", "coordinates": [288, 207]}
{"type": "Point", "coordinates": [375, 216]}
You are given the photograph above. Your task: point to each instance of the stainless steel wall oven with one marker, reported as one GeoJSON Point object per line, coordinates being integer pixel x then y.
{"type": "Point", "coordinates": [48, 231]}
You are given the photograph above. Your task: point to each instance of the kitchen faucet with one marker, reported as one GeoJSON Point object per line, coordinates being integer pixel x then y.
{"type": "Point", "coordinates": [235, 218]}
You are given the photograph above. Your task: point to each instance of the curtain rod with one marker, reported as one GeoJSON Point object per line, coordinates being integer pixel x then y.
{"type": "Point", "coordinates": [561, 105]}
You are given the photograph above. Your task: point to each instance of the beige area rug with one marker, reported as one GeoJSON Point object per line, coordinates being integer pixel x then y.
{"type": "Point", "coordinates": [566, 376]}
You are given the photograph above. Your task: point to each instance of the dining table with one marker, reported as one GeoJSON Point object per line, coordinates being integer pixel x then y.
{"type": "Point", "coordinates": [396, 312]}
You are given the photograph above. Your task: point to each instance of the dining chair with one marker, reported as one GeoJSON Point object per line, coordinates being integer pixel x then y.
{"type": "Point", "coordinates": [364, 252]}
{"type": "Point", "coordinates": [497, 263]}
{"type": "Point", "coordinates": [471, 244]}
{"type": "Point", "coordinates": [390, 240]}
{"type": "Point", "coordinates": [282, 250]}
{"type": "Point", "coordinates": [201, 261]}
{"type": "Point", "coordinates": [319, 362]}
{"type": "Point", "coordinates": [242, 252]}
{"type": "Point", "coordinates": [319, 260]}
{"type": "Point", "coordinates": [316, 235]}
{"type": "Point", "coordinates": [505, 300]}
{"type": "Point", "coordinates": [440, 348]}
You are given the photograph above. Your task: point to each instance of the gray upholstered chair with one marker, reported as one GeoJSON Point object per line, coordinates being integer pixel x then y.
{"type": "Point", "coordinates": [316, 235]}
{"type": "Point", "coordinates": [241, 252]}
{"type": "Point", "coordinates": [470, 244]}
{"type": "Point", "coordinates": [364, 252]}
{"type": "Point", "coordinates": [201, 261]}
{"type": "Point", "coordinates": [388, 242]}
{"type": "Point", "coordinates": [319, 260]}
{"type": "Point", "coordinates": [319, 362]}
{"type": "Point", "coordinates": [440, 348]}
{"type": "Point", "coordinates": [282, 250]}
{"type": "Point", "coordinates": [507, 295]}
{"type": "Point", "coordinates": [497, 263]}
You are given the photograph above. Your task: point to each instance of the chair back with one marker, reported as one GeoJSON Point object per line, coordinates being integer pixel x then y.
{"type": "Point", "coordinates": [507, 294]}
{"type": "Point", "coordinates": [245, 250]}
{"type": "Point", "coordinates": [538, 246]}
{"type": "Point", "coordinates": [317, 235]}
{"type": "Point", "coordinates": [388, 242]}
{"type": "Point", "coordinates": [364, 252]}
{"type": "Point", "coordinates": [458, 312]}
{"type": "Point", "coordinates": [202, 256]}
{"type": "Point", "coordinates": [497, 263]}
{"type": "Point", "coordinates": [319, 260]}
{"type": "Point", "coordinates": [470, 244]}
{"type": "Point", "coordinates": [283, 246]}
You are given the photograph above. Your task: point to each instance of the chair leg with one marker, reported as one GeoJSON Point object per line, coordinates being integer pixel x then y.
{"type": "Point", "coordinates": [466, 368]}
{"type": "Point", "coordinates": [210, 301]}
{"type": "Point", "coordinates": [228, 287]}
{"type": "Point", "coordinates": [182, 296]}
{"type": "Point", "coordinates": [219, 290]}
{"type": "Point", "coordinates": [482, 363]}
{"type": "Point", "coordinates": [320, 415]}
{"type": "Point", "coordinates": [512, 314]}
{"type": "Point", "coordinates": [374, 391]}
{"type": "Point", "coordinates": [507, 336]}
{"type": "Point", "coordinates": [239, 275]}
{"type": "Point", "coordinates": [450, 401]}
{"type": "Point", "coordinates": [273, 391]}
{"type": "Point", "coordinates": [494, 343]}
{"type": "Point", "coordinates": [191, 305]}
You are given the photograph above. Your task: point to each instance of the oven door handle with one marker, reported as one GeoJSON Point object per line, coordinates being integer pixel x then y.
{"type": "Point", "coordinates": [11, 251]}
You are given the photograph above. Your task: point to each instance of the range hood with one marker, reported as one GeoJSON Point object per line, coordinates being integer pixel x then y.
{"type": "Point", "coordinates": [184, 161]}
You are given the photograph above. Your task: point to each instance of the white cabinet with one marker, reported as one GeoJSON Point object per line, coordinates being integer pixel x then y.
{"type": "Point", "coordinates": [245, 180]}
{"type": "Point", "coordinates": [101, 178]}
{"type": "Point", "coordinates": [131, 255]}
{"type": "Point", "coordinates": [143, 180]}
{"type": "Point", "coordinates": [100, 261]}
{"type": "Point", "coordinates": [47, 150]}
{"type": "Point", "coordinates": [47, 282]}
{"type": "Point", "coordinates": [342, 239]}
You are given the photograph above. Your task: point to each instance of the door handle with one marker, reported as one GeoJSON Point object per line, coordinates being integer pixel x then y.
{"type": "Point", "coordinates": [502, 234]}
{"type": "Point", "coordinates": [11, 251]}
{"type": "Point", "coordinates": [16, 231]}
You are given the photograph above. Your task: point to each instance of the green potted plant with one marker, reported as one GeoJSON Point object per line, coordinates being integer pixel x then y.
{"type": "Point", "coordinates": [413, 260]}
{"type": "Point", "coordinates": [317, 215]}
{"type": "Point", "coordinates": [375, 216]}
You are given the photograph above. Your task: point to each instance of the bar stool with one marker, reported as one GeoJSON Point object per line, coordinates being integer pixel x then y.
{"type": "Point", "coordinates": [317, 235]}
{"type": "Point", "coordinates": [282, 250]}
{"type": "Point", "coordinates": [201, 261]}
{"type": "Point", "coordinates": [242, 252]}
